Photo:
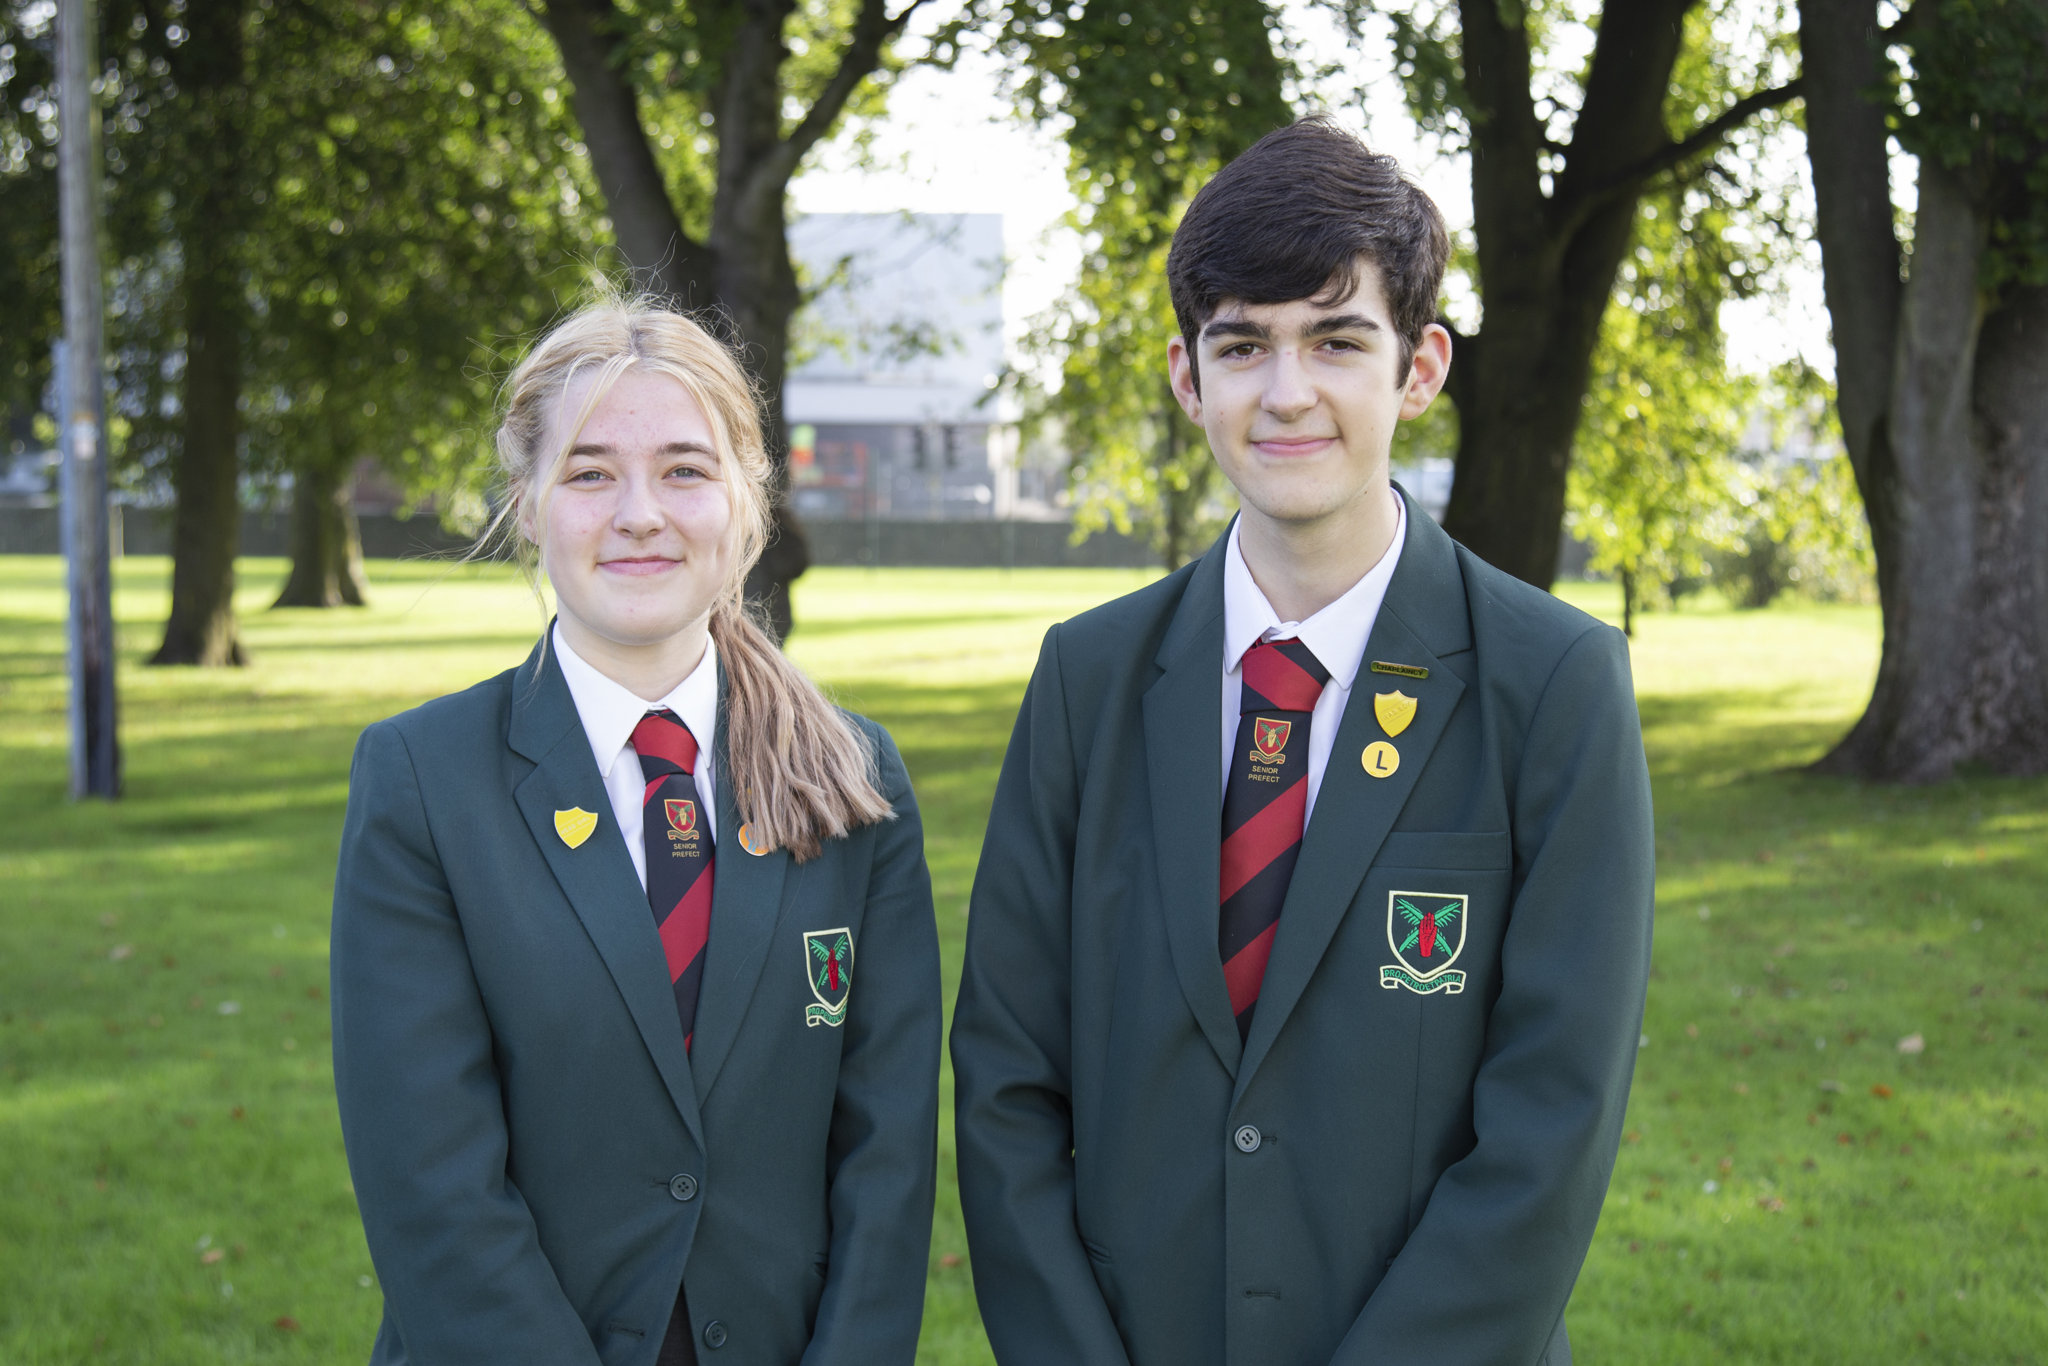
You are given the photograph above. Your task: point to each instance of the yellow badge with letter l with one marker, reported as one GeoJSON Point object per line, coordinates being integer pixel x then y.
{"type": "Point", "coordinates": [1380, 759]}
{"type": "Point", "coordinates": [828, 959]}
{"type": "Point", "coordinates": [1426, 931]}
{"type": "Point", "coordinates": [1394, 710]}
{"type": "Point", "coordinates": [575, 825]}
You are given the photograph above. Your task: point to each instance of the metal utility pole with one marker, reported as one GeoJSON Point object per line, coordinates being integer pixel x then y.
{"type": "Point", "coordinates": [82, 412]}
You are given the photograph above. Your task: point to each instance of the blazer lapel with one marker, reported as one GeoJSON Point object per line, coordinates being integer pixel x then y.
{"type": "Point", "coordinates": [1183, 718]}
{"type": "Point", "coordinates": [597, 875]}
{"type": "Point", "coordinates": [1423, 618]}
{"type": "Point", "coordinates": [746, 906]}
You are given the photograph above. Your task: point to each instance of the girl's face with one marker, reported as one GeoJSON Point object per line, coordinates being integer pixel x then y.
{"type": "Point", "coordinates": [635, 532]}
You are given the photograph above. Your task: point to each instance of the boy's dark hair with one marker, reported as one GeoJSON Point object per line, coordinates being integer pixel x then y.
{"type": "Point", "coordinates": [1292, 217]}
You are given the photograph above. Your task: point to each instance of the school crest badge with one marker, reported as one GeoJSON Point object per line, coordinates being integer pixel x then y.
{"type": "Point", "coordinates": [1270, 736]}
{"type": "Point", "coordinates": [682, 814]}
{"type": "Point", "coordinates": [828, 958]}
{"type": "Point", "coordinates": [1426, 931]}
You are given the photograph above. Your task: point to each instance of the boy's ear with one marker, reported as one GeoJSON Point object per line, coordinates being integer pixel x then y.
{"type": "Point", "coordinates": [1427, 372]}
{"type": "Point", "coordinates": [1180, 371]}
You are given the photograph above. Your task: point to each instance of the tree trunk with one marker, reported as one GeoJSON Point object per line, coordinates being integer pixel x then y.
{"type": "Point", "coordinates": [327, 546]}
{"type": "Point", "coordinates": [1547, 261]}
{"type": "Point", "coordinates": [1960, 675]}
{"type": "Point", "coordinates": [1945, 419]}
{"type": "Point", "coordinates": [206, 528]}
{"type": "Point", "coordinates": [650, 235]}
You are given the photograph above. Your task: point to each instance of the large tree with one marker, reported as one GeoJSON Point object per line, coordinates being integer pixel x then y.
{"type": "Point", "coordinates": [1942, 368]}
{"type": "Point", "coordinates": [422, 207]}
{"type": "Point", "coordinates": [696, 115]}
{"type": "Point", "coordinates": [1153, 100]}
{"type": "Point", "coordinates": [1558, 172]}
{"type": "Point", "coordinates": [327, 218]}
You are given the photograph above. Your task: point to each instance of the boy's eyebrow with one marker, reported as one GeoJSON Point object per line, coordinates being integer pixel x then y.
{"type": "Point", "coordinates": [1319, 327]}
{"type": "Point", "coordinates": [1236, 327]}
{"type": "Point", "coordinates": [1341, 322]}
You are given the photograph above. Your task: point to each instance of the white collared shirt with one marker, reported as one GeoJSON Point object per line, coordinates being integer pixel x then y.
{"type": "Point", "coordinates": [609, 711]}
{"type": "Point", "coordinates": [1336, 636]}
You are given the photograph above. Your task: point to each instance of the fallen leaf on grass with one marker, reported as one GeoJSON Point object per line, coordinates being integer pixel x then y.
{"type": "Point", "coordinates": [950, 1260]}
{"type": "Point", "coordinates": [238, 1112]}
{"type": "Point", "coordinates": [1881, 1091]}
{"type": "Point", "coordinates": [211, 1255]}
{"type": "Point", "coordinates": [288, 1323]}
{"type": "Point", "coordinates": [1912, 1044]}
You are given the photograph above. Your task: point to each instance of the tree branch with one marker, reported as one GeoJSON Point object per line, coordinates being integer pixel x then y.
{"type": "Point", "coordinates": [863, 53]}
{"type": "Point", "coordinates": [1707, 135]}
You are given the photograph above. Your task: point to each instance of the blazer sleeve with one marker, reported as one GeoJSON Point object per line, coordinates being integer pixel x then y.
{"type": "Point", "coordinates": [882, 1151]}
{"type": "Point", "coordinates": [1012, 1054]}
{"type": "Point", "coordinates": [1486, 1272]}
{"type": "Point", "coordinates": [422, 1117]}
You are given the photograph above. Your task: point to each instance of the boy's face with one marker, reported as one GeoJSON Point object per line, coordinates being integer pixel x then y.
{"type": "Point", "coordinates": [1300, 399]}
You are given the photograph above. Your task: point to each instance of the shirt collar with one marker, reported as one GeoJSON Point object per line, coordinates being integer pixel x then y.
{"type": "Point", "coordinates": [1336, 635]}
{"type": "Point", "coordinates": [609, 710]}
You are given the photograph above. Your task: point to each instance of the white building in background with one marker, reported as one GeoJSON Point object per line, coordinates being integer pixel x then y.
{"type": "Point", "coordinates": [893, 403]}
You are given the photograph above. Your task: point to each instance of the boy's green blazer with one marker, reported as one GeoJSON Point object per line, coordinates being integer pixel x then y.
{"type": "Point", "coordinates": [538, 1161]}
{"type": "Point", "coordinates": [1379, 1174]}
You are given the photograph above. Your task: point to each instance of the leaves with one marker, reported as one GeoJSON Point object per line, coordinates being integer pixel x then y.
{"type": "Point", "coordinates": [1156, 98]}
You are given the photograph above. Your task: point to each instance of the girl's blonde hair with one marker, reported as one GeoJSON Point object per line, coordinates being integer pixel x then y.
{"type": "Point", "coordinates": [799, 771]}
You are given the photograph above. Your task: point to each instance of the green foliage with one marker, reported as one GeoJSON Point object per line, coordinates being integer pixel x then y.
{"type": "Point", "coordinates": [1976, 99]}
{"type": "Point", "coordinates": [1661, 486]}
{"type": "Point", "coordinates": [1652, 465]}
{"type": "Point", "coordinates": [425, 207]}
{"type": "Point", "coordinates": [415, 200]}
{"type": "Point", "coordinates": [1796, 522]}
{"type": "Point", "coordinates": [1155, 100]}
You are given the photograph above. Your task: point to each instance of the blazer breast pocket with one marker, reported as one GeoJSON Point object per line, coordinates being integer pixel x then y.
{"type": "Point", "coordinates": [1461, 850]}
{"type": "Point", "coordinates": [1442, 899]}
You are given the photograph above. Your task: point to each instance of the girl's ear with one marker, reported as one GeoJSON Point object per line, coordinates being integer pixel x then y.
{"type": "Point", "coordinates": [525, 516]}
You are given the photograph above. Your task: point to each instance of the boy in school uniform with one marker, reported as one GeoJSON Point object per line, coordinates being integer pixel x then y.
{"type": "Point", "coordinates": [1307, 952]}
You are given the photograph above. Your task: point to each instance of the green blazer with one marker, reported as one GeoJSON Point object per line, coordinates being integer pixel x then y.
{"type": "Point", "coordinates": [538, 1162]}
{"type": "Point", "coordinates": [1379, 1174]}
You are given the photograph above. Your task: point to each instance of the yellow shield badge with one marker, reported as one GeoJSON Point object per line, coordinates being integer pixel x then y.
{"type": "Point", "coordinates": [1394, 709]}
{"type": "Point", "coordinates": [575, 825]}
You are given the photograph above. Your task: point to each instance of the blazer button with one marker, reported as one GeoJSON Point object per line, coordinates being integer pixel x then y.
{"type": "Point", "coordinates": [714, 1334]}
{"type": "Point", "coordinates": [1247, 1139]}
{"type": "Point", "coordinates": [683, 1186]}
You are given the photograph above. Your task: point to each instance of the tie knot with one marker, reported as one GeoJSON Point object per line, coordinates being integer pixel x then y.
{"type": "Point", "coordinates": [664, 744]}
{"type": "Point", "coordinates": [1282, 675]}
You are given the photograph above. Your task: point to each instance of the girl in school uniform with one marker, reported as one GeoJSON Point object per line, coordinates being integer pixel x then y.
{"type": "Point", "coordinates": [635, 975]}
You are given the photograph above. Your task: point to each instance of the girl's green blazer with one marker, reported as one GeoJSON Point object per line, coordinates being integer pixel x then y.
{"type": "Point", "coordinates": [538, 1161]}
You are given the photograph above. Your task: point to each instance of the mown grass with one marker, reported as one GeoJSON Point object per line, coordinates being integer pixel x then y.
{"type": "Point", "coordinates": [172, 1186]}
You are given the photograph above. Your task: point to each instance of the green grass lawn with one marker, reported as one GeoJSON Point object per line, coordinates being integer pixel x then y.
{"type": "Point", "coordinates": [1794, 1187]}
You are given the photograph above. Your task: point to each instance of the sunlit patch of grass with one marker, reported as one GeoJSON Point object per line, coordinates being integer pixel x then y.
{"type": "Point", "coordinates": [166, 1105]}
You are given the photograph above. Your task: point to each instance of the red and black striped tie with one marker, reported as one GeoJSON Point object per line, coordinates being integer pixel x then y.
{"type": "Point", "coordinates": [678, 844]}
{"type": "Point", "coordinates": [1265, 805]}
